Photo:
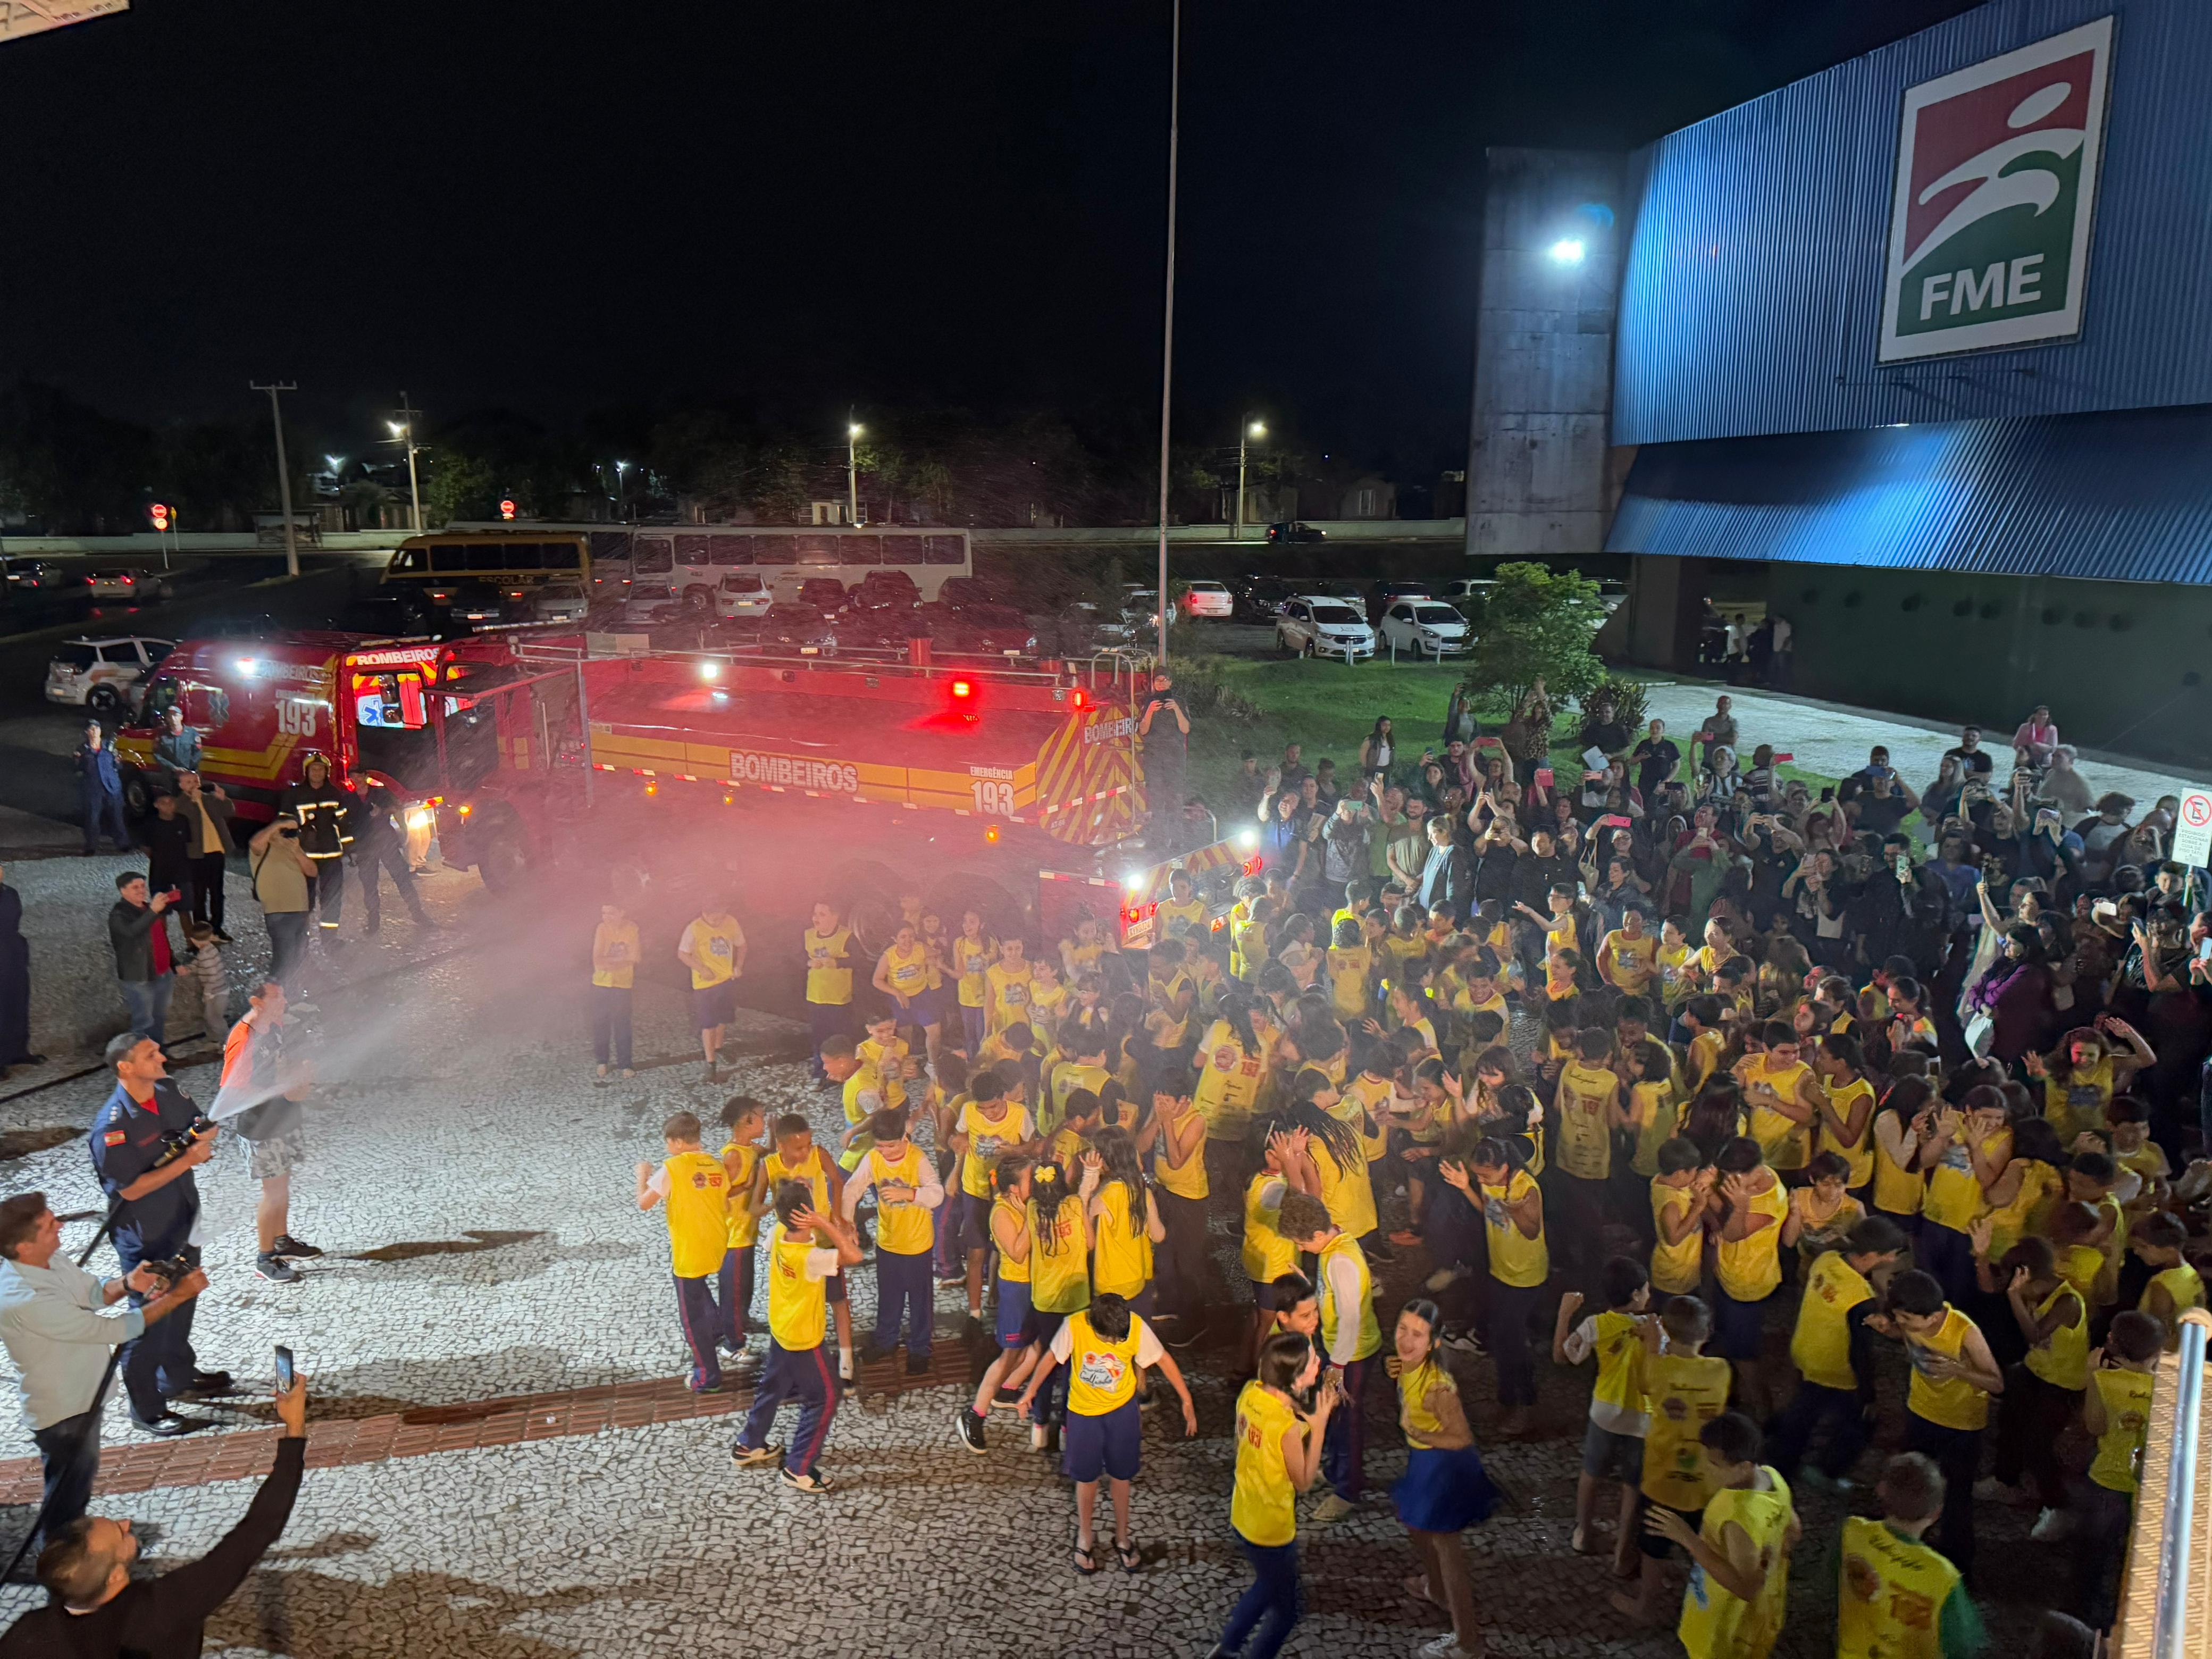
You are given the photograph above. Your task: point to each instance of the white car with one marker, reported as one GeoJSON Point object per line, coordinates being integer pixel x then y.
{"type": "Point", "coordinates": [1322, 625]}
{"type": "Point", "coordinates": [1206, 599]}
{"type": "Point", "coordinates": [558, 602]}
{"type": "Point", "coordinates": [103, 675]}
{"type": "Point", "coordinates": [1460, 589]}
{"type": "Point", "coordinates": [743, 593]}
{"type": "Point", "coordinates": [138, 586]}
{"type": "Point", "coordinates": [1427, 628]}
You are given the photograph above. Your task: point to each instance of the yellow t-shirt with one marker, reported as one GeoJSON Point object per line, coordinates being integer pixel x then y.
{"type": "Point", "coordinates": [1897, 1191]}
{"type": "Point", "coordinates": [618, 943]}
{"type": "Point", "coordinates": [1616, 1347]}
{"type": "Point", "coordinates": [797, 1306]}
{"type": "Point", "coordinates": [989, 1132]}
{"type": "Point", "coordinates": [1348, 1193]}
{"type": "Point", "coordinates": [745, 1225]}
{"type": "Point", "coordinates": [697, 1203]}
{"type": "Point", "coordinates": [2062, 1358]}
{"type": "Point", "coordinates": [908, 972]}
{"type": "Point", "coordinates": [714, 945]}
{"type": "Point", "coordinates": [1859, 1156]}
{"type": "Point", "coordinates": [1003, 1208]}
{"type": "Point", "coordinates": [1189, 912]}
{"type": "Point", "coordinates": [1060, 1270]}
{"type": "Point", "coordinates": [1263, 1508]}
{"type": "Point", "coordinates": [1716, 1625]}
{"type": "Point", "coordinates": [2183, 1284]}
{"type": "Point", "coordinates": [1184, 1180]}
{"type": "Point", "coordinates": [1890, 1604]}
{"type": "Point", "coordinates": [1781, 1140]}
{"type": "Point", "coordinates": [1821, 1346]}
{"type": "Point", "coordinates": [1101, 1375]}
{"type": "Point", "coordinates": [1675, 1268]}
{"type": "Point", "coordinates": [1586, 1097]}
{"type": "Point", "coordinates": [1706, 1050]}
{"type": "Point", "coordinates": [2040, 1188]}
{"type": "Point", "coordinates": [1955, 1199]}
{"type": "Point", "coordinates": [1629, 962]}
{"type": "Point", "coordinates": [1683, 1391]}
{"type": "Point", "coordinates": [1229, 1082]}
{"type": "Point", "coordinates": [1345, 1248]}
{"type": "Point", "coordinates": [1419, 1420]}
{"type": "Point", "coordinates": [1673, 984]}
{"type": "Point", "coordinates": [1515, 1258]}
{"type": "Point", "coordinates": [2078, 1104]}
{"type": "Point", "coordinates": [1653, 1118]}
{"type": "Point", "coordinates": [1121, 1254]}
{"type": "Point", "coordinates": [1067, 1080]}
{"type": "Point", "coordinates": [1010, 993]}
{"type": "Point", "coordinates": [969, 958]}
{"type": "Point", "coordinates": [829, 967]}
{"type": "Point", "coordinates": [2118, 1465]}
{"type": "Point", "coordinates": [1750, 1268]}
{"type": "Point", "coordinates": [1348, 968]}
{"type": "Point", "coordinates": [1267, 1255]}
{"type": "Point", "coordinates": [887, 1060]}
{"type": "Point", "coordinates": [813, 1169]}
{"type": "Point", "coordinates": [906, 1227]}
{"type": "Point", "coordinates": [1954, 1403]}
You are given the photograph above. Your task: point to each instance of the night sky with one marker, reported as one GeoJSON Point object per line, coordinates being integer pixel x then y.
{"type": "Point", "coordinates": [558, 207]}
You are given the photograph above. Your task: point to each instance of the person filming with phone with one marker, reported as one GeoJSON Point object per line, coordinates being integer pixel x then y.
{"type": "Point", "coordinates": [146, 1141]}
{"type": "Point", "coordinates": [99, 1609]}
{"type": "Point", "coordinates": [141, 942]}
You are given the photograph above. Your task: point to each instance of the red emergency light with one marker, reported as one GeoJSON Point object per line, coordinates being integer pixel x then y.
{"type": "Point", "coordinates": [962, 689]}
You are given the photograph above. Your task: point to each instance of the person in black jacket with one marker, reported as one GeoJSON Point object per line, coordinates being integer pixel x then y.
{"type": "Point", "coordinates": [99, 1610]}
{"type": "Point", "coordinates": [142, 963]}
{"type": "Point", "coordinates": [99, 788]}
{"type": "Point", "coordinates": [325, 831]}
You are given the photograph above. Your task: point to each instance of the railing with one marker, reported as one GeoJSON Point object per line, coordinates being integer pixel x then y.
{"type": "Point", "coordinates": [1122, 671]}
{"type": "Point", "coordinates": [2166, 1599]}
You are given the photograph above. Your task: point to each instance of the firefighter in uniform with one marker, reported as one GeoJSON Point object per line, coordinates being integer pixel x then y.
{"type": "Point", "coordinates": [325, 832]}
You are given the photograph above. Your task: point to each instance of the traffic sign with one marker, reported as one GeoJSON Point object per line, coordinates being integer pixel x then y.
{"type": "Point", "coordinates": [506, 509]}
{"type": "Point", "coordinates": [160, 516]}
{"type": "Point", "coordinates": [2192, 830]}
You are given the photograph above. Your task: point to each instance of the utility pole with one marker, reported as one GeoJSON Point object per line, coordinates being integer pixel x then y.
{"type": "Point", "coordinates": [284, 471]}
{"type": "Point", "coordinates": [1250, 429]}
{"type": "Point", "coordinates": [852, 469]}
{"type": "Point", "coordinates": [414, 480]}
{"type": "Point", "coordinates": [1167, 341]}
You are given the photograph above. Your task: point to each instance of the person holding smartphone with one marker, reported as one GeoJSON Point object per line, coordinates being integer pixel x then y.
{"type": "Point", "coordinates": [143, 966]}
{"type": "Point", "coordinates": [99, 1608]}
{"type": "Point", "coordinates": [1164, 730]}
{"type": "Point", "coordinates": [283, 880]}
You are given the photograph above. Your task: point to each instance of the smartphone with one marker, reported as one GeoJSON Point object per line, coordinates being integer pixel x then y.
{"type": "Point", "coordinates": [283, 1368]}
{"type": "Point", "coordinates": [1614, 821]}
{"type": "Point", "coordinates": [1543, 777]}
{"type": "Point", "coordinates": [1827, 792]}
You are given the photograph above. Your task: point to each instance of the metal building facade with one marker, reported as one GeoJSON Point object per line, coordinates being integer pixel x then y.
{"type": "Point", "coordinates": [1751, 297]}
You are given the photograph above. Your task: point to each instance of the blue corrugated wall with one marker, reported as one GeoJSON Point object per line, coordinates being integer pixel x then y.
{"type": "Point", "coordinates": [1751, 299]}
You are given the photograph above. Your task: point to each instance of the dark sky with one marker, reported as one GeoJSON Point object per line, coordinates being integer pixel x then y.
{"type": "Point", "coordinates": [559, 207]}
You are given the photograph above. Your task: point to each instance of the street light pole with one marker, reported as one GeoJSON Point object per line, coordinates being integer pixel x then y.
{"type": "Point", "coordinates": [1167, 338]}
{"type": "Point", "coordinates": [1250, 429]}
{"type": "Point", "coordinates": [852, 470]}
{"type": "Point", "coordinates": [283, 471]}
{"type": "Point", "coordinates": [414, 479]}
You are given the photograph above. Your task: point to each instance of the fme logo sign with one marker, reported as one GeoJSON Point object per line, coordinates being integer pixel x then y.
{"type": "Point", "coordinates": [1997, 178]}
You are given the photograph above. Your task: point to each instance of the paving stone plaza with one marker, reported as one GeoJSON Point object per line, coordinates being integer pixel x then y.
{"type": "Point", "coordinates": [504, 1461]}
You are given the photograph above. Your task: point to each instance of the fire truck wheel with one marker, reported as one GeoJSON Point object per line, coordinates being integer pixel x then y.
{"type": "Point", "coordinates": [137, 795]}
{"type": "Point", "coordinates": [501, 862]}
{"type": "Point", "coordinates": [950, 896]}
{"type": "Point", "coordinates": [869, 893]}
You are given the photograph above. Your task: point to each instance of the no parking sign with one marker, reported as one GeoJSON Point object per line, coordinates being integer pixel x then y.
{"type": "Point", "coordinates": [2193, 832]}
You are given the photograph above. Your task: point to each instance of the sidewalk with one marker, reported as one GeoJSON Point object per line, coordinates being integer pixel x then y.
{"type": "Point", "coordinates": [1832, 738]}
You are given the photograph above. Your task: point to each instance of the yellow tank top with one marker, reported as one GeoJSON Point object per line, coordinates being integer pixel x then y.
{"type": "Point", "coordinates": [1616, 1348]}
{"type": "Point", "coordinates": [797, 1306]}
{"type": "Point", "coordinates": [1347, 1193]}
{"type": "Point", "coordinates": [1264, 1506]}
{"type": "Point", "coordinates": [1010, 1271]}
{"type": "Point", "coordinates": [2062, 1361]}
{"type": "Point", "coordinates": [1675, 1268]}
{"type": "Point", "coordinates": [1673, 984]}
{"type": "Point", "coordinates": [2078, 1104]}
{"type": "Point", "coordinates": [2081, 1266]}
{"type": "Point", "coordinates": [1422, 1425]}
{"type": "Point", "coordinates": [831, 985]}
{"type": "Point", "coordinates": [907, 970]}
{"type": "Point", "coordinates": [1122, 1255]}
{"type": "Point", "coordinates": [1267, 1255]}
{"type": "Point", "coordinates": [1071, 1077]}
{"type": "Point", "coordinates": [989, 1133]}
{"type": "Point", "coordinates": [1010, 991]}
{"type": "Point", "coordinates": [1716, 1625]}
{"type": "Point", "coordinates": [1781, 1140]}
{"type": "Point", "coordinates": [1845, 1100]}
{"type": "Point", "coordinates": [1348, 968]}
{"type": "Point", "coordinates": [745, 1225]}
{"type": "Point", "coordinates": [2040, 1186]}
{"type": "Point", "coordinates": [1229, 1083]}
{"type": "Point", "coordinates": [1821, 1346]}
{"type": "Point", "coordinates": [1652, 1119]}
{"type": "Point", "coordinates": [1750, 1268]}
{"type": "Point", "coordinates": [970, 957]}
{"type": "Point", "coordinates": [889, 1060]}
{"type": "Point", "coordinates": [1184, 1180]}
{"type": "Point", "coordinates": [1954, 1403]}
{"type": "Point", "coordinates": [1896, 1190]}
{"type": "Point", "coordinates": [2118, 1465]}
{"type": "Point", "coordinates": [813, 1169]}
{"type": "Point", "coordinates": [1047, 1008]}
{"type": "Point", "coordinates": [698, 1207]}
{"type": "Point", "coordinates": [1955, 1194]}
{"type": "Point", "coordinates": [905, 1228]}
{"type": "Point", "coordinates": [1101, 1375]}
{"type": "Point", "coordinates": [1890, 1601]}
{"type": "Point", "coordinates": [1684, 1392]}
{"type": "Point", "coordinates": [1515, 1258]}
{"type": "Point", "coordinates": [1190, 912]}
{"type": "Point", "coordinates": [2183, 1284]}
{"type": "Point", "coordinates": [1585, 1143]}
{"type": "Point", "coordinates": [1345, 1248]}
{"type": "Point", "coordinates": [1060, 1270]}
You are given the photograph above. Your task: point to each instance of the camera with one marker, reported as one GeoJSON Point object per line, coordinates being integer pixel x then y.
{"type": "Point", "coordinates": [178, 1142]}
{"type": "Point", "coordinates": [174, 1269]}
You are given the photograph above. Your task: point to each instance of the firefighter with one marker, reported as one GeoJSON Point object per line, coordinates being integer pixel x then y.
{"type": "Point", "coordinates": [325, 832]}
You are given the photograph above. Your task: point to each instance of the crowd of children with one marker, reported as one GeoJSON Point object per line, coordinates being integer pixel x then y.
{"type": "Point", "coordinates": [1730, 1155]}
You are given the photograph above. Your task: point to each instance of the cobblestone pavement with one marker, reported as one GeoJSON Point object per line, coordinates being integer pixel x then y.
{"type": "Point", "coordinates": [474, 1191]}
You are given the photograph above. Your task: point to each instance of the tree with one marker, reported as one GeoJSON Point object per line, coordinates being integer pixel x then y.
{"type": "Point", "coordinates": [1535, 624]}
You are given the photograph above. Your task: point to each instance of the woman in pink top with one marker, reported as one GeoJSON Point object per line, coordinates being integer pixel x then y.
{"type": "Point", "coordinates": [2036, 739]}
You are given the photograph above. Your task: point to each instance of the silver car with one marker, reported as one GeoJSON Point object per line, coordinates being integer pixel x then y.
{"type": "Point", "coordinates": [1322, 625]}
{"type": "Point", "coordinates": [104, 675]}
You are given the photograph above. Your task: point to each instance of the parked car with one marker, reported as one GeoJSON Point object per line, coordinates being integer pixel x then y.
{"type": "Point", "coordinates": [886, 630]}
{"type": "Point", "coordinates": [1206, 599]}
{"type": "Point", "coordinates": [987, 630]}
{"type": "Point", "coordinates": [1294, 530]}
{"type": "Point", "coordinates": [741, 593]}
{"type": "Point", "coordinates": [1427, 628]}
{"type": "Point", "coordinates": [1259, 597]}
{"type": "Point", "coordinates": [884, 590]}
{"type": "Point", "coordinates": [1140, 607]}
{"type": "Point", "coordinates": [1315, 624]}
{"type": "Point", "coordinates": [395, 615]}
{"type": "Point", "coordinates": [1085, 627]}
{"type": "Point", "coordinates": [1465, 590]}
{"type": "Point", "coordinates": [647, 606]}
{"type": "Point", "coordinates": [104, 675]}
{"type": "Point", "coordinates": [556, 602]}
{"type": "Point", "coordinates": [28, 574]}
{"type": "Point", "coordinates": [1612, 594]}
{"type": "Point", "coordinates": [1382, 595]}
{"type": "Point", "coordinates": [825, 593]}
{"type": "Point", "coordinates": [138, 586]}
{"type": "Point", "coordinates": [960, 591]}
{"type": "Point", "coordinates": [785, 628]}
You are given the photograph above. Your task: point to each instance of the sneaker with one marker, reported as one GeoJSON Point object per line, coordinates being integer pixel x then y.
{"type": "Point", "coordinates": [1444, 1647]}
{"type": "Point", "coordinates": [1462, 1342]}
{"type": "Point", "coordinates": [1037, 1436]}
{"type": "Point", "coordinates": [272, 1267]}
{"type": "Point", "coordinates": [971, 1431]}
{"type": "Point", "coordinates": [2051, 1526]}
{"type": "Point", "coordinates": [288, 1245]}
{"type": "Point", "coordinates": [917, 1364]}
{"type": "Point", "coordinates": [1381, 1252]}
{"type": "Point", "coordinates": [1332, 1509]}
{"type": "Point", "coordinates": [223, 938]}
{"type": "Point", "coordinates": [1006, 1400]}
{"type": "Point", "coordinates": [716, 1387]}
{"type": "Point", "coordinates": [1443, 1280]}
{"type": "Point", "coordinates": [873, 1355]}
{"type": "Point", "coordinates": [807, 1482]}
{"type": "Point", "coordinates": [754, 1457]}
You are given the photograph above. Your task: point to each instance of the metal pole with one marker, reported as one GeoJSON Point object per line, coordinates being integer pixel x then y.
{"type": "Point", "coordinates": [283, 471]}
{"type": "Point", "coordinates": [2170, 1622]}
{"type": "Point", "coordinates": [414, 480]}
{"type": "Point", "coordinates": [852, 470]}
{"type": "Point", "coordinates": [1243, 431]}
{"type": "Point", "coordinates": [1167, 339]}
{"type": "Point", "coordinates": [584, 729]}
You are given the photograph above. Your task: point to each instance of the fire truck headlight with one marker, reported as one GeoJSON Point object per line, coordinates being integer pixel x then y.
{"type": "Point", "coordinates": [710, 670]}
{"type": "Point", "coordinates": [421, 818]}
{"type": "Point", "coordinates": [1247, 839]}
{"type": "Point", "coordinates": [248, 666]}
{"type": "Point", "coordinates": [1134, 883]}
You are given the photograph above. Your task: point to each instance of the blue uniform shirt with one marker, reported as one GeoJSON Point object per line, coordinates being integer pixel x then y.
{"type": "Point", "coordinates": [126, 1142]}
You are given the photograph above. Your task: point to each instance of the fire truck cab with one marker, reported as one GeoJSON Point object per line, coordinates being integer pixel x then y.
{"type": "Point", "coordinates": [404, 712]}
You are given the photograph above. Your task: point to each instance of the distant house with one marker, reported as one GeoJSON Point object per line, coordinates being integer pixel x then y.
{"type": "Point", "coordinates": [1264, 503]}
{"type": "Point", "coordinates": [1370, 496]}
